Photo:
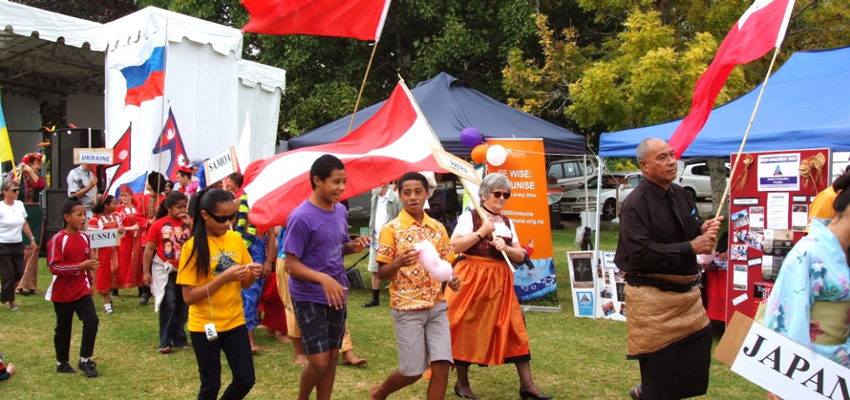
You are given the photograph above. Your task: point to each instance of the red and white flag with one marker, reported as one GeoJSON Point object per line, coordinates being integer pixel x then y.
{"type": "Point", "coordinates": [760, 29]}
{"type": "Point", "coordinates": [359, 19]}
{"type": "Point", "coordinates": [396, 140]}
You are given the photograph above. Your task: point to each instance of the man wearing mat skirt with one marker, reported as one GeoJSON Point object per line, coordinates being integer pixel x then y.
{"type": "Point", "coordinates": [661, 232]}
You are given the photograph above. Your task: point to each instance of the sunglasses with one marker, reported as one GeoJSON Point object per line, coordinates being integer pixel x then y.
{"type": "Point", "coordinates": [15, 190]}
{"type": "Point", "coordinates": [222, 218]}
{"type": "Point", "coordinates": [499, 195]}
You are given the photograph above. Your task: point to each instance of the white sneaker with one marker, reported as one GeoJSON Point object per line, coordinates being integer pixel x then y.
{"type": "Point", "coordinates": [108, 308]}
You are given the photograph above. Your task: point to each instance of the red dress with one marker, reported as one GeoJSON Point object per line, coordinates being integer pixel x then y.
{"type": "Point", "coordinates": [145, 214]}
{"type": "Point", "coordinates": [105, 279]}
{"type": "Point", "coordinates": [129, 274]}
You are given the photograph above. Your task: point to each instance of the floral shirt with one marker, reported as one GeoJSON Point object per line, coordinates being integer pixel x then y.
{"type": "Point", "coordinates": [810, 302]}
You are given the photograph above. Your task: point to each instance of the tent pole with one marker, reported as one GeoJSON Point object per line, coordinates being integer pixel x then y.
{"type": "Point", "coordinates": [596, 238]}
{"type": "Point", "coordinates": [362, 86]}
{"type": "Point", "coordinates": [734, 162]}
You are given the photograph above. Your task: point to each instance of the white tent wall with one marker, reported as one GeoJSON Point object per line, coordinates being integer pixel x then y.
{"type": "Point", "coordinates": [260, 89]}
{"type": "Point", "coordinates": [23, 120]}
{"type": "Point", "coordinates": [85, 110]}
{"type": "Point", "coordinates": [25, 21]}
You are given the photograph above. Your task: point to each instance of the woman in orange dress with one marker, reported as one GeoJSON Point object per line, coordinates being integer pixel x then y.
{"type": "Point", "coordinates": [486, 321]}
{"type": "Point", "coordinates": [103, 218]}
{"type": "Point", "coordinates": [129, 274]}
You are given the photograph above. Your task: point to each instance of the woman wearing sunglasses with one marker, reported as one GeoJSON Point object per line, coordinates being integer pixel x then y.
{"type": "Point", "coordinates": [486, 321]}
{"type": "Point", "coordinates": [13, 218]}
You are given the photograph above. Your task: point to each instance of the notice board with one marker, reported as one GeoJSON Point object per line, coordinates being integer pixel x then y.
{"type": "Point", "coordinates": [768, 213]}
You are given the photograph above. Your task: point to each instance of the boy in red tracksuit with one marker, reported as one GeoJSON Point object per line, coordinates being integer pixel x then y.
{"type": "Point", "coordinates": [70, 262]}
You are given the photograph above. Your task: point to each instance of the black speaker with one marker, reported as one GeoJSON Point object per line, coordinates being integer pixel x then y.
{"type": "Point", "coordinates": [54, 199]}
{"type": "Point", "coordinates": [62, 145]}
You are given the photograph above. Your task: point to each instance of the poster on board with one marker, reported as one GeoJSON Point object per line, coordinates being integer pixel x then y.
{"type": "Point", "coordinates": [581, 267]}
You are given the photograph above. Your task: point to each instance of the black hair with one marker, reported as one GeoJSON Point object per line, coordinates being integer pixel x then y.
{"type": "Point", "coordinates": [68, 206]}
{"type": "Point", "coordinates": [157, 182]}
{"type": "Point", "coordinates": [324, 166]}
{"type": "Point", "coordinates": [413, 176]}
{"type": "Point", "coordinates": [184, 173]}
{"type": "Point", "coordinates": [843, 199]}
{"type": "Point", "coordinates": [170, 201]}
{"type": "Point", "coordinates": [237, 179]}
{"type": "Point", "coordinates": [206, 200]}
{"type": "Point", "coordinates": [101, 205]}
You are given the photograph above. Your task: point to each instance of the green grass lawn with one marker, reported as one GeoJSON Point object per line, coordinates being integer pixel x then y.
{"type": "Point", "coordinates": [573, 358]}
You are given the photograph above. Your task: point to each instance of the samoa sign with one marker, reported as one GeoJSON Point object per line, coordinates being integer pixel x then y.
{"type": "Point", "coordinates": [220, 166]}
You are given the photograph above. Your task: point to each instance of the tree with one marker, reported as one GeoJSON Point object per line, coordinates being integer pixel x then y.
{"type": "Point", "coordinates": [94, 10]}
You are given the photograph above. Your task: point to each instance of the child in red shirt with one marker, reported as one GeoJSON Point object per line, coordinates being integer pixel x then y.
{"type": "Point", "coordinates": [70, 262]}
{"type": "Point", "coordinates": [160, 262]}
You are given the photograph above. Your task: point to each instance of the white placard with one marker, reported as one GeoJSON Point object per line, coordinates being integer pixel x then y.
{"type": "Point", "coordinates": [104, 238]}
{"type": "Point", "coordinates": [788, 369]}
{"type": "Point", "coordinates": [777, 210]}
{"type": "Point", "coordinates": [93, 156]}
{"type": "Point", "coordinates": [220, 166]}
{"type": "Point", "coordinates": [779, 172]}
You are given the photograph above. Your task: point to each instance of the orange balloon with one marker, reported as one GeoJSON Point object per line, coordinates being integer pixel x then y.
{"type": "Point", "coordinates": [479, 153]}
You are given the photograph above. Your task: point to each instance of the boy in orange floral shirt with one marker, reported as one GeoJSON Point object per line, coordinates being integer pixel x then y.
{"type": "Point", "coordinates": [418, 306]}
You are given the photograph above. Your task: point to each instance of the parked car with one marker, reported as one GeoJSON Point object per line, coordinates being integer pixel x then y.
{"type": "Point", "coordinates": [567, 175]}
{"type": "Point", "coordinates": [696, 180]}
{"type": "Point", "coordinates": [615, 187]}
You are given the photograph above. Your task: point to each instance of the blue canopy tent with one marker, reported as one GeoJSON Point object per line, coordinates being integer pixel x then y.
{"type": "Point", "coordinates": [450, 106]}
{"type": "Point", "coordinates": [806, 104]}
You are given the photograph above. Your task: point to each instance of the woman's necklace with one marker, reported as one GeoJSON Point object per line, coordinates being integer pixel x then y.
{"type": "Point", "coordinates": [492, 214]}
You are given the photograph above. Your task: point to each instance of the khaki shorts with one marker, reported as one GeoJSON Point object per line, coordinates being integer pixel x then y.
{"type": "Point", "coordinates": [423, 336]}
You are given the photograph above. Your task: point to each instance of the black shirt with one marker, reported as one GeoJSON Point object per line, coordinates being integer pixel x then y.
{"type": "Point", "coordinates": [656, 226]}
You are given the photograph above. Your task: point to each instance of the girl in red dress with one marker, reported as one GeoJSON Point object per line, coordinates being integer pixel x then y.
{"type": "Point", "coordinates": [104, 217]}
{"type": "Point", "coordinates": [146, 205]}
{"type": "Point", "coordinates": [129, 274]}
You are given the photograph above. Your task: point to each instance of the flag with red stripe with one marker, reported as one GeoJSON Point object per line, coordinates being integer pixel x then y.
{"type": "Point", "coordinates": [760, 29]}
{"type": "Point", "coordinates": [121, 152]}
{"type": "Point", "coordinates": [359, 19]}
{"type": "Point", "coordinates": [396, 140]}
{"type": "Point", "coordinates": [171, 141]}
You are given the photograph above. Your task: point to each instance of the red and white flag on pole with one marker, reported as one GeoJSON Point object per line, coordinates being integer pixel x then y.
{"type": "Point", "coordinates": [359, 19]}
{"type": "Point", "coordinates": [760, 29]}
{"type": "Point", "coordinates": [396, 140]}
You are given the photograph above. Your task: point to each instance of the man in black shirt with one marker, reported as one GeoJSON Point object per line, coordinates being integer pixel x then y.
{"type": "Point", "coordinates": [661, 232]}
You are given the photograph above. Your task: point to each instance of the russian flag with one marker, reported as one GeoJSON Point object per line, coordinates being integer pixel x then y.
{"type": "Point", "coordinates": [147, 80]}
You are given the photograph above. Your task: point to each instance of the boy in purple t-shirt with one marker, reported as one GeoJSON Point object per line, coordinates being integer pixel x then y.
{"type": "Point", "coordinates": [315, 244]}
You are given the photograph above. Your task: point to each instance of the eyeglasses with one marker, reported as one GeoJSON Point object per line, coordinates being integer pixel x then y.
{"type": "Point", "coordinates": [222, 218]}
{"type": "Point", "coordinates": [15, 190]}
{"type": "Point", "coordinates": [499, 195]}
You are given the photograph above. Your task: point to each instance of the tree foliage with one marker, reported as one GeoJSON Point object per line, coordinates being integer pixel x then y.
{"type": "Point", "coordinates": [643, 72]}
{"type": "Point", "coordinates": [94, 10]}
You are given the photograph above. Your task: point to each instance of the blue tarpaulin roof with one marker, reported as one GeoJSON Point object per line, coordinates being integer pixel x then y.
{"type": "Point", "coordinates": [450, 105]}
{"type": "Point", "coordinates": [806, 104]}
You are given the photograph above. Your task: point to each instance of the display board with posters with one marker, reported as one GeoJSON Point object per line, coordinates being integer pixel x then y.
{"type": "Point", "coordinates": [528, 209]}
{"type": "Point", "coordinates": [581, 266]}
{"type": "Point", "coordinates": [768, 214]}
{"type": "Point", "coordinates": [610, 288]}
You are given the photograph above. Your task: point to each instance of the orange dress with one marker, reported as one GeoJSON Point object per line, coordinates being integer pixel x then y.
{"type": "Point", "coordinates": [129, 274]}
{"type": "Point", "coordinates": [486, 321]}
{"type": "Point", "coordinates": [105, 279]}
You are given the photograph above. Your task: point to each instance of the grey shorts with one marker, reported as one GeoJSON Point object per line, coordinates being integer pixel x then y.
{"type": "Point", "coordinates": [422, 335]}
{"type": "Point", "coordinates": [373, 265]}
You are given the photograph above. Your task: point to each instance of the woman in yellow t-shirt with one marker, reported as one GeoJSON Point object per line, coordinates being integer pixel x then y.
{"type": "Point", "coordinates": [214, 268]}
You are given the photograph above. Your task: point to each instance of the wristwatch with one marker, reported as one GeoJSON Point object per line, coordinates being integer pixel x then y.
{"type": "Point", "coordinates": [479, 235]}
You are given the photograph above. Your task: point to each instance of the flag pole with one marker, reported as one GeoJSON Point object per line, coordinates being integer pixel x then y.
{"type": "Point", "coordinates": [722, 201]}
{"type": "Point", "coordinates": [462, 180]}
{"type": "Point", "coordinates": [362, 86]}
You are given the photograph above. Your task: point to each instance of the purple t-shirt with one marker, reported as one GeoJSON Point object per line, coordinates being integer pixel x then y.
{"type": "Point", "coordinates": [317, 237]}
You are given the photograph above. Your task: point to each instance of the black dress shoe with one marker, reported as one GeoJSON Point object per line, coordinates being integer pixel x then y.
{"type": "Point", "coordinates": [463, 396]}
{"type": "Point", "coordinates": [144, 299]}
{"type": "Point", "coordinates": [525, 394]}
{"type": "Point", "coordinates": [371, 303]}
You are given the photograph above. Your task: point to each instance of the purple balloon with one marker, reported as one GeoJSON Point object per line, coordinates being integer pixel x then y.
{"type": "Point", "coordinates": [470, 137]}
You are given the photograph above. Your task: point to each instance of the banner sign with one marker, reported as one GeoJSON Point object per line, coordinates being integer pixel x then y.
{"type": "Point", "coordinates": [581, 279]}
{"type": "Point", "coordinates": [528, 209]}
{"type": "Point", "coordinates": [93, 156]}
{"type": "Point", "coordinates": [779, 364]}
{"type": "Point", "coordinates": [105, 238]}
{"type": "Point", "coordinates": [220, 166]}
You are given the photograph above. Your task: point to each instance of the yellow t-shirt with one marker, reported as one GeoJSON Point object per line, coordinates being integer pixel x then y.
{"type": "Point", "coordinates": [227, 251]}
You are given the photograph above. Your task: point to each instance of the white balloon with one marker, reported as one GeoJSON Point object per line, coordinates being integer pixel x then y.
{"type": "Point", "coordinates": [496, 155]}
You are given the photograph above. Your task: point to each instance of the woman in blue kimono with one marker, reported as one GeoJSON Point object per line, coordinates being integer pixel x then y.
{"type": "Point", "coordinates": [810, 302]}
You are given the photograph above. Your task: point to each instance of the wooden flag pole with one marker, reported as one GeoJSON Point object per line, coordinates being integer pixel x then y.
{"type": "Point", "coordinates": [362, 86]}
{"type": "Point", "coordinates": [746, 134]}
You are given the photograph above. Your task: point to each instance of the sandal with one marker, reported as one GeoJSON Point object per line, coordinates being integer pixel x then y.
{"type": "Point", "coordinates": [14, 308]}
{"type": "Point", "coordinates": [636, 392]}
{"type": "Point", "coordinates": [165, 350]}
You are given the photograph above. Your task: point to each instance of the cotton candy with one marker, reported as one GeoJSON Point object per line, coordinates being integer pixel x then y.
{"type": "Point", "coordinates": [440, 270]}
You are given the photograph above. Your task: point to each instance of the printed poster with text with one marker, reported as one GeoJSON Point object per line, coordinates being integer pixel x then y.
{"type": "Point", "coordinates": [528, 209]}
